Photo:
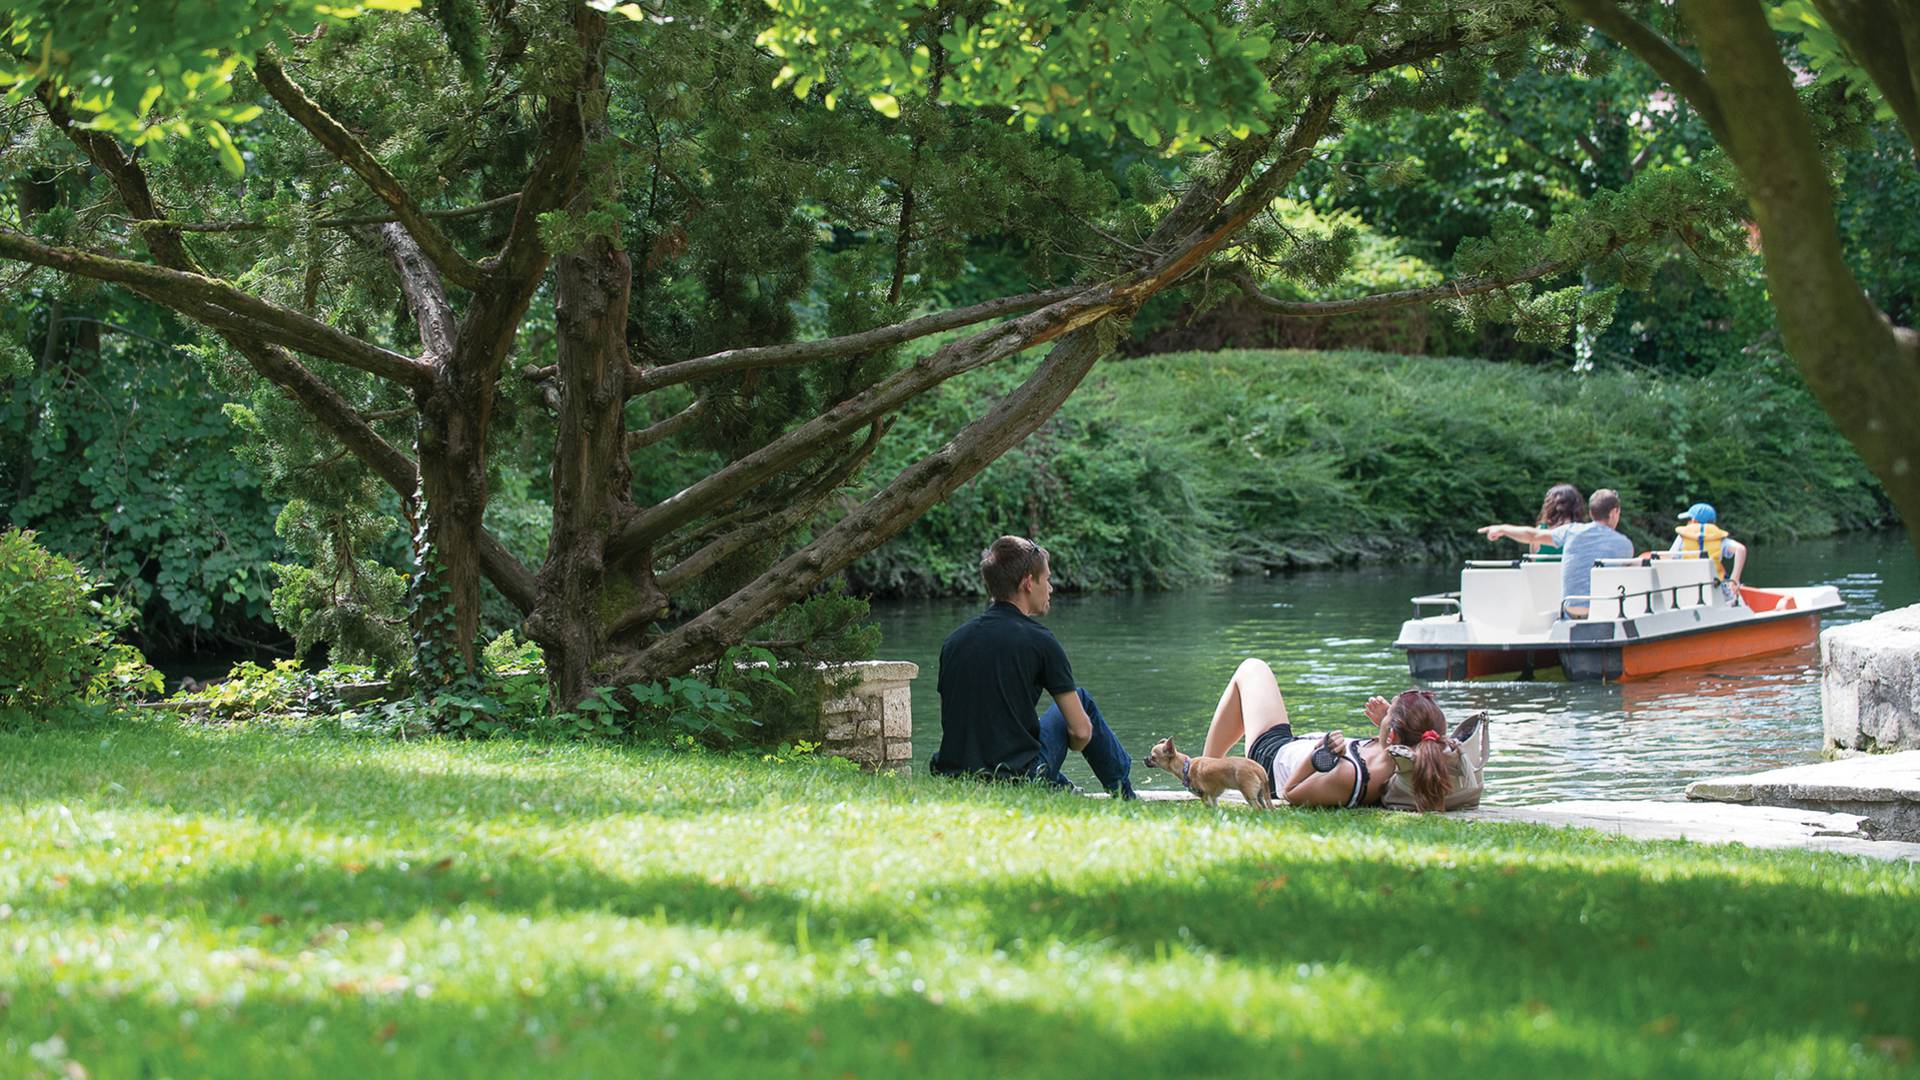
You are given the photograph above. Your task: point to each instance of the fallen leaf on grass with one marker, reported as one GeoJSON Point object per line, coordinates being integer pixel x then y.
{"type": "Point", "coordinates": [1274, 884]}
{"type": "Point", "coordinates": [270, 919]}
{"type": "Point", "coordinates": [386, 1031]}
{"type": "Point", "coordinates": [1664, 1025]}
{"type": "Point", "coordinates": [1897, 1047]}
{"type": "Point", "coordinates": [441, 866]}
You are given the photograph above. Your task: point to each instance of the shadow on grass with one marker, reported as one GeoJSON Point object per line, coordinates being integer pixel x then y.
{"type": "Point", "coordinates": [1615, 945]}
{"type": "Point", "coordinates": [583, 1025]}
{"type": "Point", "coordinates": [342, 780]}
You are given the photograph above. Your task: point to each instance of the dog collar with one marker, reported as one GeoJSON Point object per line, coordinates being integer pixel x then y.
{"type": "Point", "coordinates": [1186, 771]}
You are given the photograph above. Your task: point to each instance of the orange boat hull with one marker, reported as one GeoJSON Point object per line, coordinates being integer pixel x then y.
{"type": "Point", "coordinates": [1693, 650]}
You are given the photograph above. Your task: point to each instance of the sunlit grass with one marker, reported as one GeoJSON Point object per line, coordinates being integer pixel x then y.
{"type": "Point", "coordinates": [181, 902]}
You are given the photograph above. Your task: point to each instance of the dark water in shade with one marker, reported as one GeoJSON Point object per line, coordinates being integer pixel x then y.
{"type": "Point", "coordinates": [1156, 662]}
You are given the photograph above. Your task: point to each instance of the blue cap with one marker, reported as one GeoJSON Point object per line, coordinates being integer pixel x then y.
{"type": "Point", "coordinates": [1700, 512]}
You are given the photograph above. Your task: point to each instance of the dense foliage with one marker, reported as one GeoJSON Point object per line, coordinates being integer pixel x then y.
{"type": "Point", "coordinates": [113, 450]}
{"type": "Point", "coordinates": [1169, 470]}
{"type": "Point", "coordinates": [58, 657]}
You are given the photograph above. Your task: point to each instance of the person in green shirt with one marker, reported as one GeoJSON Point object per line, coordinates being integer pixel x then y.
{"type": "Point", "coordinates": [1564, 505]}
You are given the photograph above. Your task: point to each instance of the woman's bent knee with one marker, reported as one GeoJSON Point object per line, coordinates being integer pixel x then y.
{"type": "Point", "coordinates": [1253, 665]}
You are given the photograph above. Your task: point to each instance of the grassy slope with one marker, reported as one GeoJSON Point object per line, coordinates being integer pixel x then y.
{"type": "Point", "coordinates": [1170, 469]}
{"type": "Point", "coordinates": [187, 902]}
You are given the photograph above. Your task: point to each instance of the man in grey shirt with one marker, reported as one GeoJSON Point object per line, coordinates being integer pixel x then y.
{"type": "Point", "coordinates": [1580, 543]}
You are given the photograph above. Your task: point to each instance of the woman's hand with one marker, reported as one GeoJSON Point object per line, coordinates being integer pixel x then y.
{"type": "Point", "coordinates": [1335, 742]}
{"type": "Point", "coordinates": [1377, 708]}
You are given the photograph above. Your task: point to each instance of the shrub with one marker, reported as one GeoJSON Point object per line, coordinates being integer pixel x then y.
{"type": "Point", "coordinates": [58, 659]}
{"type": "Point", "coordinates": [1171, 470]}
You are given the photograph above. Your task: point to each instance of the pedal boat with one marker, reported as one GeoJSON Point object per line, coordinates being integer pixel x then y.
{"type": "Point", "coordinates": [1642, 619]}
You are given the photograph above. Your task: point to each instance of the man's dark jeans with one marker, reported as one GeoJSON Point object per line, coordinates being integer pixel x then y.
{"type": "Point", "coordinates": [1108, 759]}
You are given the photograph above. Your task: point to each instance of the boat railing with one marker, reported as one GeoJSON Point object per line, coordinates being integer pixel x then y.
{"type": "Point", "coordinates": [1451, 599]}
{"type": "Point", "coordinates": [1621, 595]}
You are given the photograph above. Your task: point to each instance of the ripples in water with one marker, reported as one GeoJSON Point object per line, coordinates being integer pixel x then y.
{"type": "Point", "coordinates": [1156, 663]}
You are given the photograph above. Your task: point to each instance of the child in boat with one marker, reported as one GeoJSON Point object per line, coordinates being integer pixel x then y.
{"type": "Point", "coordinates": [1699, 532]}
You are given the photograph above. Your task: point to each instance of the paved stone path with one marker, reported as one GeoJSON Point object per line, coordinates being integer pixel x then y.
{"type": "Point", "coordinates": [1706, 823]}
{"type": "Point", "coordinates": [1882, 788]}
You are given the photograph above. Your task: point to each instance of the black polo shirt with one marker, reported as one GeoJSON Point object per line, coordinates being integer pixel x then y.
{"type": "Point", "coordinates": [992, 671]}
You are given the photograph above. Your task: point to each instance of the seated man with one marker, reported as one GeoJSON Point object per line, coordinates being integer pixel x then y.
{"type": "Point", "coordinates": [994, 667]}
{"type": "Point", "coordinates": [1699, 533]}
{"type": "Point", "coordinates": [1581, 542]}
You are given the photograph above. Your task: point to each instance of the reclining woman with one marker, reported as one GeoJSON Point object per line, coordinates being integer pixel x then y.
{"type": "Point", "coordinates": [1251, 706]}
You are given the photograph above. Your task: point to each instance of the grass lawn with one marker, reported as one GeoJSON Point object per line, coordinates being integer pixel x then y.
{"type": "Point", "coordinates": [179, 902]}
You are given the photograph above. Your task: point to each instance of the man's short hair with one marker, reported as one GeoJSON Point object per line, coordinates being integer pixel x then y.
{"type": "Point", "coordinates": [1603, 502]}
{"type": "Point", "coordinates": [1005, 564]}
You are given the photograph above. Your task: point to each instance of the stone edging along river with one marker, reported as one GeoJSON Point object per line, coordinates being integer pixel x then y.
{"type": "Point", "coordinates": [1156, 662]}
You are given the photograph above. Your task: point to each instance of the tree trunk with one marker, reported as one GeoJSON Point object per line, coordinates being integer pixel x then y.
{"type": "Point", "coordinates": [451, 506]}
{"type": "Point", "coordinates": [580, 593]}
{"type": "Point", "coordinates": [1865, 372]}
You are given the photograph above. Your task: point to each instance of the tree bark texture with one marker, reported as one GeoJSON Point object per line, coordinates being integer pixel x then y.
{"type": "Point", "coordinates": [1864, 370]}
{"type": "Point", "coordinates": [580, 590]}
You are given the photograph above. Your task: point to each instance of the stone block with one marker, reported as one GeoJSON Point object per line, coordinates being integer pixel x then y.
{"type": "Point", "coordinates": [1870, 683]}
{"type": "Point", "coordinates": [871, 722]}
{"type": "Point", "coordinates": [1883, 789]}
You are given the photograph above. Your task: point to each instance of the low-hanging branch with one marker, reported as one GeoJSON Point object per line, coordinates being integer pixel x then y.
{"type": "Point", "coordinates": [350, 222]}
{"type": "Point", "coordinates": [797, 507]}
{"type": "Point", "coordinates": [222, 304]}
{"type": "Point", "coordinates": [342, 144]}
{"type": "Point", "coordinates": [650, 379]}
{"type": "Point", "coordinates": [1090, 305]}
{"type": "Point", "coordinates": [953, 359]}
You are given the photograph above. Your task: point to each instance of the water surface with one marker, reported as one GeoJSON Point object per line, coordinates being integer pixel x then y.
{"type": "Point", "coordinates": [1156, 662]}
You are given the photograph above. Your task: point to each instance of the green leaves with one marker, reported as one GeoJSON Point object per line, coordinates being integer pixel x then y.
{"type": "Point", "coordinates": [1173, 77]}
{"type": "Point", "coordinates": [150, 72]}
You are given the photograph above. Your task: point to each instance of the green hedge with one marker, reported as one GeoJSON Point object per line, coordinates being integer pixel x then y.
{"type": "Point", "coordinates": [1170, 470]}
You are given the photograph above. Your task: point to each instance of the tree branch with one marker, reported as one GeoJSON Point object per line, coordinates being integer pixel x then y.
{"type": "Point", "coordinates": [798, 508]}
{"type": "Point", "coordinates": [222, 305]}
{"type": "Point", "coordinates": [1881, 37]}
{"type": "Point", "coordinates": [341, 143]}
{"type": "Point", "coordinates": [800, 352]}
{"type": "Point", "coordinates": [1657, 53]}
{"type": "Point", "coordinates": [665, 429]}
{"type": "Point", "coordinates": [324, 223]}
{"type": "Point", "coordinates": [426, 296]}
{"type": "Point", "coordinates": [910, 494]}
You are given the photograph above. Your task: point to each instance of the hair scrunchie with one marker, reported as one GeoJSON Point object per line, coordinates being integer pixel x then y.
{"type": "Point", "coordinates": [1429, 735]}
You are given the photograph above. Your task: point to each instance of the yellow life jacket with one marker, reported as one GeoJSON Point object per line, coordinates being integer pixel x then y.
{"type": "Point", "coordinates": [1695, 537]}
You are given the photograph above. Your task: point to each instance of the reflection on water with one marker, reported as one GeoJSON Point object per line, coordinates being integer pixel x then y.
{"type": "Point", "coordinates": [1156, 662]}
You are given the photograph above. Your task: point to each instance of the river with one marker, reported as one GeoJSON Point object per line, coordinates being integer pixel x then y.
{"type": "Point", "coordinates": [1155, 662]}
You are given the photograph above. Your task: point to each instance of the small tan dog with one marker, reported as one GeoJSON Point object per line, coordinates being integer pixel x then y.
{"type": "Point", "coordinates": [1207, 777]}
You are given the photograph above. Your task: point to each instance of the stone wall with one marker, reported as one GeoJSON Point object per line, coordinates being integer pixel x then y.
{"type": "Point", "coordinates": [1870, 684]}
{"type": "Point", "coordinates": [873, 723]}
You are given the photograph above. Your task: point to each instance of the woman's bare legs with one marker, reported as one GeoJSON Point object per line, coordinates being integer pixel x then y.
{"type": "Point", "coordinates": [1249, 705]}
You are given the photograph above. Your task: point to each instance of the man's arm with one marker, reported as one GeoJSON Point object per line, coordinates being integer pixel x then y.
{"type": "Point", "coordinates": [1079, 724]}
{"type": "Point", "coordinates": [1525, 534]}
{"type": "Point", "coordinates": [1739, 556]}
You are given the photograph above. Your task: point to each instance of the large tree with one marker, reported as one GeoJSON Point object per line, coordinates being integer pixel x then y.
{"type": "Point", "coordinates": [619, 213]}
{"type": "Point", "coordinates": [1753, 89]}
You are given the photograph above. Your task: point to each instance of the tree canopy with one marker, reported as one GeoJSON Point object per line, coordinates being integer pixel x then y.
{"type": "Point", "coordinates": [601, 235]}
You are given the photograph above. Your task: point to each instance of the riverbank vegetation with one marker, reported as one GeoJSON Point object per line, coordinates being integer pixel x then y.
{"type": "Point", "coordinates": [208, 901]}
{"type": "Point", "coordinates": [1169, 470]}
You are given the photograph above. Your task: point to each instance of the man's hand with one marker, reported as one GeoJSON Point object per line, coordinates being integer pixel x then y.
{"type": "Point", "coordinates": [1079, 724]}
{"type": "Point", "coordinates": [1492, 532]}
